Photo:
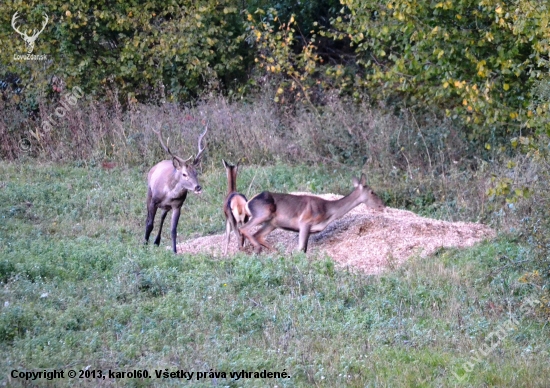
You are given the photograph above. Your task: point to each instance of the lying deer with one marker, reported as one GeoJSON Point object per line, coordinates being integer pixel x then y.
{"type": "Point", "coordinates": [233, 207]}
{"type": "Point", "coordinates": [304, 214]}
{"type": "Point", "coordinates": [168, 183]}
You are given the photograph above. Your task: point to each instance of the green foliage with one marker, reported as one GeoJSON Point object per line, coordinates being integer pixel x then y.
{"type": "Point", "coordinates": [149, 49]}
{"type": "Point", "coordinates": [472, 59]}
{"type": "Point", "coordinates": [277, 53]}
{"type": "Point", "coordinates": [308, 14]}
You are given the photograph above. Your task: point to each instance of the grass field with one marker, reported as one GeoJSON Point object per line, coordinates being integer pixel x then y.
{"type": "Point", "coordinates": [79, 290]}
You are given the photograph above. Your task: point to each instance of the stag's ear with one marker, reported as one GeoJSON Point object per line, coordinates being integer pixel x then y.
{"type": "Point", "coordinates": [224, 163]}
{"type": "Point", "coordinates": [177, 163]}
{"type": "Point", "coordinates": [363, 181]}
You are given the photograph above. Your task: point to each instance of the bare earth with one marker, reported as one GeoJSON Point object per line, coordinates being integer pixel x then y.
{"type": "Point", "coordinates": [364, 239]}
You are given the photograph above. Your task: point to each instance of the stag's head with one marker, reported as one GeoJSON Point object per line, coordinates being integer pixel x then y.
{"type": "Point", "coordinates": [186, 168]}
{"type": "Point", "coordinates": [367, 195]}
{"type": "Point", "coordinates": [188, 174]}
{"type": "Point", "coordinates": [29, 40]}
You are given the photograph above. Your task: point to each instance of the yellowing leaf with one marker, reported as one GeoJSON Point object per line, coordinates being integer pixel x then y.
{"type": "Point", "coordinates": [487, 146]}
{"type": "Point", "coordinates": [524, 140]}
{"type": "Point", "coordinates": [506, 86]}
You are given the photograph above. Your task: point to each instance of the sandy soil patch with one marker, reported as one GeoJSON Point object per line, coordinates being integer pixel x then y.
{"type": "Point", "coordinates": [364, 239]}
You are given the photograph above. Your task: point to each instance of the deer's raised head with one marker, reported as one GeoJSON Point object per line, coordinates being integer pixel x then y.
{"type": "Point", "coordinates": [186, 167]}
{"type": "Point", "coordinates": [367, 195]}
{"type": "Point", "coordinates": [189, 176]}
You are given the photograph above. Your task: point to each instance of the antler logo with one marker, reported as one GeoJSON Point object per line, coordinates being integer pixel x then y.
{"type": "Point", "coordinates": [29, 40]}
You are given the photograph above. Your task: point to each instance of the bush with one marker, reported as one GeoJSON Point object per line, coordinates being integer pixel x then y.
{"type": "Point", "coordinates": [472, 59]}
{"type": "Point", "coordinates": [151, 50]}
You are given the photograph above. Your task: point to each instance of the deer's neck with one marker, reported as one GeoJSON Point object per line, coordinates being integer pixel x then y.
{"type": "Point", "coordinates": [231, 181]}
{"type": "Point", "coordinates": [338, 208]}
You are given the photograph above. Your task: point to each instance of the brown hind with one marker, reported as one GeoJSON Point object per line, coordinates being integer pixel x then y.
{"type": "Point", "coordinates": [233, 207]}
{"type": "Point", "coordinates": [304, 214]}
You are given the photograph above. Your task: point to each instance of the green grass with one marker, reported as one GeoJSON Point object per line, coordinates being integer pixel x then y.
{"type": "Point", "coordinates": [79, 289]}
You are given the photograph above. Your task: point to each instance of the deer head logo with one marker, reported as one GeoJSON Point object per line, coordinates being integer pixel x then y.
{"type": "Point", "coordinates": [29, 40]}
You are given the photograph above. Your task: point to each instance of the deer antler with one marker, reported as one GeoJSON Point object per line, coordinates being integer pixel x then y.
{"type": "Point", "coordinates": [13, 19]}
{"type": "Point", "coordinates": [197, 158]}
{"type": "Point", "coordinates": [29, 40]}
{"type": "Point", "coordinates": [165, 147]}
{"type": "Point", "coordinates": [43, 25]}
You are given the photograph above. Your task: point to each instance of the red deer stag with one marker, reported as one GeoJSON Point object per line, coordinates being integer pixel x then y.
{"type": "Point", "coordinates": [168, 183]}
{"type": "Point", "coordinates": [233, 207]}
{"type": "Point", "coordinates": [304, 214]}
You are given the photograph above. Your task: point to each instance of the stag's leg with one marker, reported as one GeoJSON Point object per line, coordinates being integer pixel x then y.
{"type": "Point", "coordinates": [175, 219]}
{"type": "Point", "coordinates": [303, 237]}
{"type": "Point", "coordinates": [162, 217]}
{"type": "Point", "coordinates": [151, 211]}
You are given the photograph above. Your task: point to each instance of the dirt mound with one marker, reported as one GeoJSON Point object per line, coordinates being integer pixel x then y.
{"type": "Point", "coordinates": [364, 239]}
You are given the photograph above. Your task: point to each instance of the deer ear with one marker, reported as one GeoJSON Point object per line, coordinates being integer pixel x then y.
{"type": "Point", "coordinates": [363, 181]}
{"type": "Point", "coordinates": [176, 163]}
{"type": "Point", "coordinates": [224, 163]}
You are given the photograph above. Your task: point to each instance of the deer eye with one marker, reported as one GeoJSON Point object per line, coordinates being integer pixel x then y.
{"type": "Point", "coordinates": [184, 175]}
